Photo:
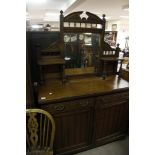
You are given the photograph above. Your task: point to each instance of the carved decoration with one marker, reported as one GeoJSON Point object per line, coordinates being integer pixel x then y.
{"type": "Point", "coordinates": [73, 17]}
{"type": "Point", "coordinates": [33, 128]}
{"type": "Point", "coordinates": [84, 15]}
{"type": "Point", "coordinates": [92, 18]}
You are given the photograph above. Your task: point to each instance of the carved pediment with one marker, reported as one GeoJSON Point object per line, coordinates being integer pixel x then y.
{"type": "Point", "coordinates": [81, 16]}
{"type": "Point", "coordinates": [73, 17]}
{"type": "Point", "coordinates": [92, 18]}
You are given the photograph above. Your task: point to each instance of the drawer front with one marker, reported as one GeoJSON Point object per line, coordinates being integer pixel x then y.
{"type": "Point", "coordinates": [69, 105]}
{"type": "Point", "coordinates": [115, 98]}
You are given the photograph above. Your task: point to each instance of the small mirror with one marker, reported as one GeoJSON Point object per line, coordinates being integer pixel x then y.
{"type": "Point", "coordinates": [71, 24]}
{"type": "Point", "coordinates": [88, 25]}
{"type": "Point", "coordinates": [66, 24]}
{"type": "Point", "coordinates": [77, 24]}
{"type": "Point", "coordinates": [94, 25]}
{"type": "Point", "coordinates": [83, 25]}
{"type": "Point", "coordinates": [99, 26]}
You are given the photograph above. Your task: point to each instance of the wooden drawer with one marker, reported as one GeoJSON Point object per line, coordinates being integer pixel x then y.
{"type": "Point", "coordinates": [112, 99]}
{"type": "Point", "coordinates": [69, 105]}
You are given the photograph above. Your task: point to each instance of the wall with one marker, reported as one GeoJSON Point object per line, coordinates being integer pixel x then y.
{"type": "Point", "coordinates": [122, 28]}
{"type": "Point", "coordinates": [54, 25]}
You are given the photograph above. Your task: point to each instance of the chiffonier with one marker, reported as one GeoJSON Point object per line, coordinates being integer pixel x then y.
{"type": "Point", "coordinates": [86, 95]}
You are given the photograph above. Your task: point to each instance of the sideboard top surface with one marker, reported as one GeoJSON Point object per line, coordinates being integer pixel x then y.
{"type": "Point", "coordinates": [55, 91]}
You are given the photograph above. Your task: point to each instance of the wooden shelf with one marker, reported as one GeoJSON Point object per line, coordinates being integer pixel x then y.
{"type": "Point", "coordinates": [79, 71]}
{"type": "Point", "coordinates": [111, 59]}
{"type": "Point", "coordinates": [51, 61]}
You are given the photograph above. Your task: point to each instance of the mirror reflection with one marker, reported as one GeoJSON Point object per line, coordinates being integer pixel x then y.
{"type": "Point", "coordinates": [81, 49]}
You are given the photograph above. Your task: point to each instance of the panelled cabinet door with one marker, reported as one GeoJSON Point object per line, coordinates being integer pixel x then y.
{"type": "Point", "coordinates": [73, 125]}
{"type": "Point", "coordinates": [111, 117]}
{"type": "Point", "coordinates": [72, 131]}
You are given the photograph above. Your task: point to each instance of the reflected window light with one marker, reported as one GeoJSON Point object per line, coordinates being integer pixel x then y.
{"type": "Point", "coordinates": [67, 58]}
{"type": "Point", "coordinates": [36, 1]}
{"type": "Point", "coordinates": [99, 26]}
{"type": "Point", "coordinates": [37, 26]}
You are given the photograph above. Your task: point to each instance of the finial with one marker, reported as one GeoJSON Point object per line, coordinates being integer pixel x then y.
{"type": "Point", "coordinates": [118, 45]}
{"type": "Point", "coordinates": [61, 12]}
{"type": "Point", "coordinates": [103, 16]}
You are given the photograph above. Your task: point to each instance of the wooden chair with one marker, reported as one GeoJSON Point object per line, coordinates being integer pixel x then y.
{"type": "Point", "coordinates": [40, 131]}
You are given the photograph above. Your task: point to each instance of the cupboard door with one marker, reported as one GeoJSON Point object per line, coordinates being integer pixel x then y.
{"type": "Point", "coordinates": [111, 120]}
{"type": "Point", "coordinates": [72, 131]}
{"type": "Point", "coordinates": [73, 125]}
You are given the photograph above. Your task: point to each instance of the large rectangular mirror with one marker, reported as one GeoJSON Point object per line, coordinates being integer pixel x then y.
{"type": "Point", "coordinates": [81, 49]}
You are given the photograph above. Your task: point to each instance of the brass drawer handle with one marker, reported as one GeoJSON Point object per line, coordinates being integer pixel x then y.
{"type": "Point", "coordinates": [59, 107]}
{"type": "Point", "coordinates": [84, 104]}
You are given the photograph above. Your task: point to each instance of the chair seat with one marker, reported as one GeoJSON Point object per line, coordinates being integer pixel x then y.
{"type": "Point", "coordinates": [40, 152]}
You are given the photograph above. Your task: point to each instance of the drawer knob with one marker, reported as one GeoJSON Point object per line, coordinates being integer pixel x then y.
{"type": "Point", "coordinates": [59, 107]}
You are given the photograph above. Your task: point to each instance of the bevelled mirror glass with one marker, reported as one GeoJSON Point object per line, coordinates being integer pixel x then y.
{"type": "Point", "coordinates": [81, 50]}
